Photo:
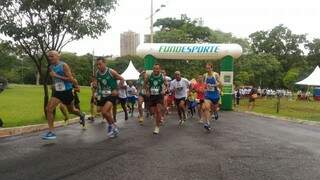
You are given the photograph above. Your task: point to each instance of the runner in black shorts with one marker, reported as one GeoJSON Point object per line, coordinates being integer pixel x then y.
{"type": "Point", "coordinates": [62, 83]}
{"type": "Point", "coordinates": [106, 87]}
{"type": "Point", "coordinates": [154, 86]}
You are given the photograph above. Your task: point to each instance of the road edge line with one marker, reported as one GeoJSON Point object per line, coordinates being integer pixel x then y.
{"type": "Point", "coordinates": [15, 131]}
{"type": "Point", "coordinates": [295, 120]}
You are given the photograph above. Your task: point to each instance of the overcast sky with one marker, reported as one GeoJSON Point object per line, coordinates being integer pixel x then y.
{"type": "Point", "coordinates": [238, 17]}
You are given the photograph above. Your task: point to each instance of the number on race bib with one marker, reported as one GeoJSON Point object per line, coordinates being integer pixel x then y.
{"type": "Point", "coordinates": [154, 91]}
{"type": "Point", "coordinates": [211, 87]}
{"type": "Point", "coordinates": [106, 93]}
{"type": "Point", "coordinates": [179, 88]}
{"type": "Point", "coordinates": [59, 86]}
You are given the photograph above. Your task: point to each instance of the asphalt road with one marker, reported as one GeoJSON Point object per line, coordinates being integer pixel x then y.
{"type": "Point", "coordinates": [242, 146]}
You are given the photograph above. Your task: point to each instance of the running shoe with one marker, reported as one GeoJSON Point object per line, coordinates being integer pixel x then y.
{"type": "Point", "coordinates": [82, 120]}
{"type": "Point", "coordinates": [141, 120]}
{"type": "Point", "coordinates": [110, 133]}
{"type": "Point", "coordinates": [156, 130]}
{"type": "Point", "coordinates": [49, 136]}
{"type": "Point", "coordinates": [109, 128]}
{"type": "Point", "coordinates": [181, 122]}
{"type": "Point", "coordinates": [216, 115]}
{"type": "Point", "coordinates": [207, 127]}
{"type": "Point", "coordinates": [115, 132]}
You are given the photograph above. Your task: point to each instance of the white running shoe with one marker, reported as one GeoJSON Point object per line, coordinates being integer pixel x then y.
{"type": "Point", "coordinates": [156, 130]}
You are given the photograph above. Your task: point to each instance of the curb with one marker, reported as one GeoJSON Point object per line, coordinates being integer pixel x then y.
{"type": "Point", "coordinates": [14, 131]}
{"type": "Point", "coordinates": [298, 121]}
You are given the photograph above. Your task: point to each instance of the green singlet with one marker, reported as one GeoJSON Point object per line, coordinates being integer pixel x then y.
{"type": "Point", "coordinates": [155, 84]}
{"type": "Point", "coordinates": [106, 83]}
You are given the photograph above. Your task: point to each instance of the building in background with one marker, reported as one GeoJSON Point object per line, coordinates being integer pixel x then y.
{"type": "Point", "coordinates": [129, 42]}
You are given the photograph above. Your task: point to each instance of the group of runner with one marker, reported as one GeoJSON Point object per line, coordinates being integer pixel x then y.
{"type": "Point", "coordinates": [154, 90]}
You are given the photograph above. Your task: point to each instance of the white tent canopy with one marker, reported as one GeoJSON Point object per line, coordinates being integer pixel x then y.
{"type": "Point", "coordinates": [313, 79]}
{"type": "Point", "coordinates": [131, 73]}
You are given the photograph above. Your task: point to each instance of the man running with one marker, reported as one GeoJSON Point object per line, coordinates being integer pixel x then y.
{"type": "Point", "coordinates": [180, 87]}
{"type": "Point", "coordinates": [122, 99]}
{"type": "Point", "coordinates": [62, 82]}
{"type": "Point", "coordinates": [131, 93]}
{"type": "Point", "coordinates": [154, 86]}
{"type": "Point", "coordinates": [212, 95]}
{"type": "Point", "coordinates": [106, 87]}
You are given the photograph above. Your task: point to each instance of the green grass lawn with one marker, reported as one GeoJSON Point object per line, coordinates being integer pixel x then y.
{"type": "Point", "coordinates": [288, 108]}
{"type": "Point", "coordinates": [23, 105]}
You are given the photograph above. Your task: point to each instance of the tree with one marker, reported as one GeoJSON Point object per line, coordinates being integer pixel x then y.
{"type": "Point", "coordinates": [181, 30]}
{"type": "Point", "coordinates": [242, 78]}
{"type": "Point", "coordinates": [280, 42]}
{"type": "Point", "coordinates": [263, 70]}
{"type": "Point", "coordinates": [314, 52]}
{"type": "Point", "coordinates": [291, 77]}
{"type": "Point", "coordinates": [37, 26]}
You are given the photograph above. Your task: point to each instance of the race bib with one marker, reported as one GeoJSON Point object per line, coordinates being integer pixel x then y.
{"type": "Point", "coordinates": [179, 87]}
{"type": "Point", "coordinates": [154, 91]}
{"type": "Point", "coordinates": [106, 93]}
{"type": "Point", "coordinates": [59, 86]}
{"type": "Point", "coordinates": [211, 87]}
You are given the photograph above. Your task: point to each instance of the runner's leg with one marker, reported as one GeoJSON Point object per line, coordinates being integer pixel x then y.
{"type": "Point", "coordinates": [52, 104]}
{"type": "Point", "coordinates": [206, 113]}
{"type": "Point", "coordinates": [64, 112]}
{"type": "Point", "coordinates": [182, 106]}
{"type": "Point", "coordinates": [114, 112]}
{"type": "Point", "coordinates": [107, 114]}
{"type": "Point", "coordinates": [178, 109]}
{"type": "Point", "coordinates": [124, 108]}
{"type": "Point", "coordinates": [140, 109]}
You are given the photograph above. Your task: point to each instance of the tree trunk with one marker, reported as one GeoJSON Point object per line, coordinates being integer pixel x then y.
{"type": "Point", "coordinates": [37, 78]}
{"type": "Point", "coordinates": [46, 91]}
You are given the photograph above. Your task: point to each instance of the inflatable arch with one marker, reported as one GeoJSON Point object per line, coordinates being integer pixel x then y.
{"type": "Point", "coordinates": [227, 52]}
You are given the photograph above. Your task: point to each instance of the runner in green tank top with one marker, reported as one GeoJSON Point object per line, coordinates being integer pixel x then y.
{"type": "Point", "coordinates": [106, 87]}
{"type": "Point", "coordinates": [155, 90]}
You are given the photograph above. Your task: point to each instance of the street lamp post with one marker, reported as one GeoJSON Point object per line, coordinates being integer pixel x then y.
{"type": "Point", "coordinates": [151, 19]}
{"type": "Point", "coordinates": [151, 23]}
{"type": "Point", "coordinates": [93, 63]}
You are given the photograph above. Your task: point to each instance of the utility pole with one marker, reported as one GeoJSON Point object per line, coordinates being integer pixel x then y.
{"type": "Point", "coordinates": [93, 74]}
{"type": "Point", "coordinates": [151, 23]}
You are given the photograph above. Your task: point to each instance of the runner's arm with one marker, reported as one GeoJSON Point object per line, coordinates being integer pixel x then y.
{"type": "Point", "coordinates": [219, 82]}
{"type": "Point", "coordinates": [146, 85]}
{"type": "Point", "coordinates": [117, 76]}
{"type": "Point", "coordinates": [76, 86]}
{"type": "Point", "coordinates": [135, 91]}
